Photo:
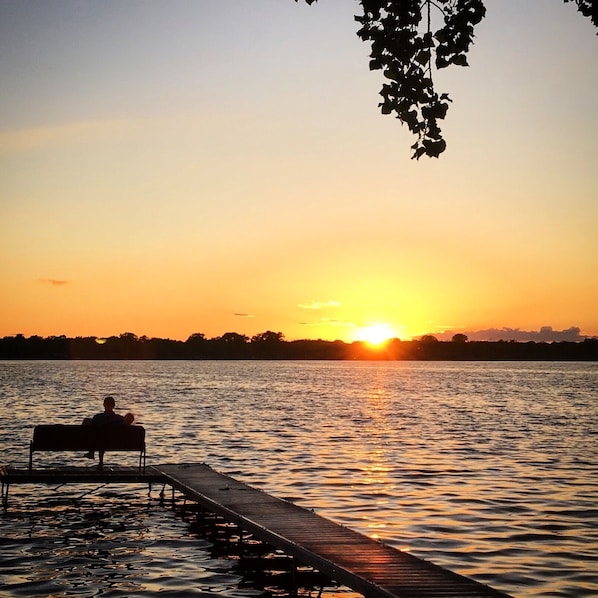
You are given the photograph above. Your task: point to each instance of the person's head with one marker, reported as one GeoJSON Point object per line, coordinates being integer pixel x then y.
{"type": "Point", "coordinates": [109, 403]}
{"type": "Point", "coordinates": [129, 418]}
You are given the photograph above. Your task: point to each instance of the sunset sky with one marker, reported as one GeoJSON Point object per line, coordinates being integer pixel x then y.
{"type": "Point", "coordinates": [182, 166]}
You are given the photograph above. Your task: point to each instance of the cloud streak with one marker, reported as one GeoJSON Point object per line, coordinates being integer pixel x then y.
{"type": "Point", "coordinates": [330, 322]}
{"type": "Point", "coordinates": [22, 140]}
{"type": "Point", "coordinates": [316, 305]}
{"type": "Point", "coordinates": [54, 282]}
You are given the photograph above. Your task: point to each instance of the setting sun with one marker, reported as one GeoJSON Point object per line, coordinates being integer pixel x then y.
{"type": "Point", "coordinates": [376, 334]}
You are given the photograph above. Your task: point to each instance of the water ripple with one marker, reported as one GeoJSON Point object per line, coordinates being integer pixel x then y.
{"type": "Point", "coordinates": [488, 469]}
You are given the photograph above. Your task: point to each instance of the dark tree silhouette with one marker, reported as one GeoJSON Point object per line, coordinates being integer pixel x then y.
{"type": "Point", "coordinates": [231, 345]}
{"type": "Point", "coordinates": [197, 345]}
{"type": "Point", "coordinates": [267, 345]}
{"type": "Point", "coordinates": [271, 345]}
{"type": "Point", "coordinates": [406, 48]}
{"type": "Point", "coordinates": [268, 337]}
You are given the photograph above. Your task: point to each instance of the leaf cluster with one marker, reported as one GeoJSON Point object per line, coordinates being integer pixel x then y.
{"type": "Point", "coordinates": [406, 48]}
{"type": "Point", "coordinates": [588, 8]}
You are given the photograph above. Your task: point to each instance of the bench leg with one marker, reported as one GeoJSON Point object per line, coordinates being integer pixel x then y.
{"type": "Point", "coordinates": [101, 457]}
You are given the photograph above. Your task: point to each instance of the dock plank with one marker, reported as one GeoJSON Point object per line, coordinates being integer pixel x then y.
{"type": "Point", "coordinates": [348, 557]}
{"type": "Point", "coordinates": [77, 475]}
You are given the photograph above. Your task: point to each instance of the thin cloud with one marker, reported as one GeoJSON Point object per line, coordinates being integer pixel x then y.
{"type": "Point", "coordinates": [40, 137]}
{"type": "Point", "coordinates": [54, 282]}
{"type": "Point", "coordinates": [330, 322]}
{"type": "Point", "coordinates": [242, 315]}
{"type": "Point", "coordinates": [314, 305]}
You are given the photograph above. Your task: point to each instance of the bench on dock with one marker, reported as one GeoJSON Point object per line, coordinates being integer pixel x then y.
{"type": "Point", "coordinates": [65, 437]}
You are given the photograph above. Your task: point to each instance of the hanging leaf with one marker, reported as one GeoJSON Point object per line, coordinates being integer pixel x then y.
{"type": "Point", "coordinates": [406, 49]}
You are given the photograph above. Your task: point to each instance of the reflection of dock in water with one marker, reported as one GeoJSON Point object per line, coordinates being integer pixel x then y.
{"type": "Point", "coordinates": [344, 555]}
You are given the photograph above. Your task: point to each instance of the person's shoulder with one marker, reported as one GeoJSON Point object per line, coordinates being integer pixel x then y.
{"type": "Point", "coordinates": [114, 418]}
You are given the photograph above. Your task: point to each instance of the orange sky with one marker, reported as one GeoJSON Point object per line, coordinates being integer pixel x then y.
{"type": "Point", "coordinates": [171, 168]}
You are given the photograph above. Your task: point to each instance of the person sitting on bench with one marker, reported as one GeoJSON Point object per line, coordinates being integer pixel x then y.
{"type": "Point", "coordinates": [108, 416]}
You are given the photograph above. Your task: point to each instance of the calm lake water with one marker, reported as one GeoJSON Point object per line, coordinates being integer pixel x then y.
{"type": "Point", "coordinates": [488, 469]}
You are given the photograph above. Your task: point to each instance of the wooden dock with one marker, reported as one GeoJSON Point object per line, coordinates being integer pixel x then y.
{"type": "Point", "coordinates": [346, 556]}
{"type": "Point", "coordinates": [117, 474]}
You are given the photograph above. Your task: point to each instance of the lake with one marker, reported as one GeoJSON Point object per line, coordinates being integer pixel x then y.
{"type": "Point", "coordinates": [488, 469]}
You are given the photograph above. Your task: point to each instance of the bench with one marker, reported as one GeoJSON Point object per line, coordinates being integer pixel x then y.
{"type": "Point", "coordinates": [62, 437]}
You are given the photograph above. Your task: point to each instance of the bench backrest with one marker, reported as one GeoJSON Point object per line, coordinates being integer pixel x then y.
{"type": "Point", "coordinates": [61, 437]}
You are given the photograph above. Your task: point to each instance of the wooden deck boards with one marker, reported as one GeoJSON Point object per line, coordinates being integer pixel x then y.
{"type": "Point", "coordinates": [118, 474]}
{"type": "Point", "coordinates": [348, 557]}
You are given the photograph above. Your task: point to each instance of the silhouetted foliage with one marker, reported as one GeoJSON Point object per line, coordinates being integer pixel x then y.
{"type": "Point", "coordinates": [271, 345]}
{"type": "Point", "coordinates": [267, 345]}
{"type": "Point", "coordinates": [406, 47]}
{"type": "Point", "coordinates": [197, 346]}
{"type": "Point", "coordinates": [588, 8]}
{"type": "Point", "coordinates": [230, 346]}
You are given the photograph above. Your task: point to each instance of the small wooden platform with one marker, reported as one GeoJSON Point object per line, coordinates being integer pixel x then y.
{"type": "Point", "coordinates": [348, 557]}
{"type": "Point", "coordinates": [116, 474]}
{"type": "Point", "coordinates": [119, 474]}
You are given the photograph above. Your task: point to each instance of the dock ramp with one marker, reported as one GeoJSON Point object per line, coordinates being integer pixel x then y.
{"type": "Point", "coordinates": [346, 556]}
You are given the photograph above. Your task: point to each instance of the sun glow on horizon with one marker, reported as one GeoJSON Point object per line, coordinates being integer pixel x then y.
{"type": "Point", "coordinates": [375, 334]}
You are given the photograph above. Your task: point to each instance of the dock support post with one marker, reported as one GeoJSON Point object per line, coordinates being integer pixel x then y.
{"type": "Point", "coordinates": [5, 487]}
{"type": "Point", "coordinates": [240, 542]}
{"type": "Point", "coordinates": [293, 588]}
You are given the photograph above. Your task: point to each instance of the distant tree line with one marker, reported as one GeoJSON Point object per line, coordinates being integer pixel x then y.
{"type": "Point", "coordinates": [272, 345]}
